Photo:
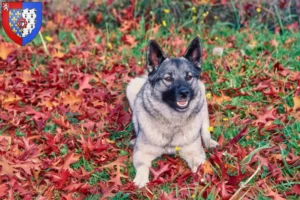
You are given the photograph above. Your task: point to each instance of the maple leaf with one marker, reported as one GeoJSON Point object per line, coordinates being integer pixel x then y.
{"type": "Point", "coordinates": [5, 143]}
{"type": "Point", "coordinates": [274, 195]}
{"type": "Point", "coordinates": [6, 49]}
{"type": "Point", "coordinates": [129, 39]}
{"type": "Point", "coordinates": [9, 98]}
{"type": "Point", "coordinates": [62, 122]}
{"type": "Point", "coordinates": [117, 178]}
{"type": "Point", "coordinates": [25, 76]}
{"type": "Point", "coordinates": [76, 187]}
{"type": "Point", "coordinates": [6, 168]}
{"type": "Point", "coordinates": [120, 161]}
{"type": "Point", "coordinates": [207, 168]}
{"type": "Point", "coordinates": [84, 83]}
{"type": "Point", "coordinates": [161, 169]}
{"type": "Point", "coordinates": [295, 190]}
{"type": "Point", "coordinates": [71, 99]}
{"type": "Point", "coordinates": [170, 196]}
{"type": "Point", "coordinates": [62, 178]}
{"type": "Point", "coordinates": [220, 99]}
{"type": "Point", "coordinates": [68, 160]}
{"type": "Point", "coordinates": [265, 116]}
{"type": "Point", "coordinates": [3, 189]}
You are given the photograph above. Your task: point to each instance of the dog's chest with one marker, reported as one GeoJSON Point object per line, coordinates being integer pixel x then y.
{"type": "Point", "coordinates": [171, 135]}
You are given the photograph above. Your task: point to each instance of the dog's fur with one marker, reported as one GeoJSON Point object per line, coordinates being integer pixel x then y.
{"type": "Point", "coordinates": [169, 110]}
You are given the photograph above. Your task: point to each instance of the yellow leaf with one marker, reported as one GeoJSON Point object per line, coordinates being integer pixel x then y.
{"type": "Point", "coordinates": [10, 98]}
{"type": "Point", "coordinates": [48, 38]}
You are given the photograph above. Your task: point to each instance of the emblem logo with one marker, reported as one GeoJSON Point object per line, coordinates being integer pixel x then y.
{"type": "Point", "coordinates": [22, 20]}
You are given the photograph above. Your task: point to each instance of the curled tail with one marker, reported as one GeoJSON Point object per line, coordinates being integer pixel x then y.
{"type": "Point", "coordinates": [133, 89]}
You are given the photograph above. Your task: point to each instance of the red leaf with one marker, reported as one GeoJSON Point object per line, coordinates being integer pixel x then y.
{"type": "Point", "coordinates": [3, 189]}
{"type": "Point", "coordinates": [295, 190]}
{"type": "Point", "coordinates": [62, 178]}
{"type": "Point", "coordinates": [68, 160]}
{"type": "Point", "coordinates": [162, 169]}
{"type": "Point", "coordinates": [84, 83]}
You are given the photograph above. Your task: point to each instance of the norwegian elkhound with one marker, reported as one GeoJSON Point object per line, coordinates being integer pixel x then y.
{"type": "Point", "coordinates": [169, 110]}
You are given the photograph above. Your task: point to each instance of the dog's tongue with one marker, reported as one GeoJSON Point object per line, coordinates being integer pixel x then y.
{"type": "Point", "coordinates": [182, 103]}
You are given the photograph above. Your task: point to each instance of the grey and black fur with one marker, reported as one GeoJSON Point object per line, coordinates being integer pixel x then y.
{"type": "Point", "coordinates": [169, 110]}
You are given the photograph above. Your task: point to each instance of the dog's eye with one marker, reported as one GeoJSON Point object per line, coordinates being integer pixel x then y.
{"type": "Point", "coordinates": [168, 79]}
{"type": "Point", "coordinates": [188, 77]}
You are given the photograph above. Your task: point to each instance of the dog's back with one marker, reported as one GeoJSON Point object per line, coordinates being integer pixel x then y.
{"type": "Point", "coordinates": [134, 88]}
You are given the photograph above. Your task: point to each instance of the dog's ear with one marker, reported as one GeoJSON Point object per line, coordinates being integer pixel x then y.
{"type": "Point", "coordinates": [194, 52]}
{"type": "Point", "coordinates": [155, 56]}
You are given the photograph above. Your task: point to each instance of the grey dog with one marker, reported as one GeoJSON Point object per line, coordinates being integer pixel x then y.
{"type": "Point", "coordinates": [169, 110]}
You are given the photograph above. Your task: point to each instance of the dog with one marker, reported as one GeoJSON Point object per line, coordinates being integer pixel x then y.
{"type": "Point", "coordinates": [169, 110]}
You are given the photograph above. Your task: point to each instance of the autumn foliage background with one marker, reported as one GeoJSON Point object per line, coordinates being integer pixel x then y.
{"type": "Point", "coordinates": [65, 123]}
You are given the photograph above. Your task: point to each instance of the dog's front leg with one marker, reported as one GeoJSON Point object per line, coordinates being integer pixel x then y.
{"type": "Point", "coordinates": [193, 154]}
{"type": "Point", "coordinates": [143, 154]}
{"type": "Point", "coordinates": [209, 143]}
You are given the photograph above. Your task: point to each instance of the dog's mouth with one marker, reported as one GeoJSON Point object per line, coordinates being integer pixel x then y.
{"type": "Point", "coordinates": [182, 104]}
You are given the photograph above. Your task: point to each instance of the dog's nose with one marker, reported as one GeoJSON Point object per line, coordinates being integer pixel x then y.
{"type": "Point", "coordinates": [183, 92]}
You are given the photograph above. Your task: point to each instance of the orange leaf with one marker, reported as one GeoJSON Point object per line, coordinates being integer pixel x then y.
{"type": "Point", "coordinates": [296, 102]}
{"type": "Point", "coordinates": [221, 99]}
{"type": "Point", "coordinates": [25, 76]}
{"type": "Point", "coordinates": [207, 168]}
{"type": "Point", "coordinates": [5, 49]}
{"type": "Point", "coordinates": [6, 168]}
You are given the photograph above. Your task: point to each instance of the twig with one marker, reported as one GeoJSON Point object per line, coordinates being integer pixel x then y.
{"type": "Point", "coordinates": [243, 185]}
{"type": "Point", "coordinates": [44, 44]}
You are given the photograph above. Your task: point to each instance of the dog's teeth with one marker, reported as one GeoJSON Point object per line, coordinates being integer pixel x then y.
{"type": "Point", "coordinates": [182, 103]}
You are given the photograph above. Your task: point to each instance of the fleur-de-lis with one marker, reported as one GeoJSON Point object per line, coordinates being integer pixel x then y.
{"type": "Point", "coordinates": [14, 19]}
{"type": "Point", "coordinates": [18, 13]}
{"type": "Point", "coordinates": [14, 30]}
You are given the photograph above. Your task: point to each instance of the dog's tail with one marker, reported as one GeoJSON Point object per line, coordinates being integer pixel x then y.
{"type": "Point", "coordinates": [133, 89]}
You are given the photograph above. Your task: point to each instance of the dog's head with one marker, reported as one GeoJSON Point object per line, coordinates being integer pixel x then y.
{"type": "Point", "coordinates": [175, 80]}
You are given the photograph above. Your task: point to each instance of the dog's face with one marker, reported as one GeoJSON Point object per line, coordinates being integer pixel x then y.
{"type": "Point", "coordinates": [174, 80]}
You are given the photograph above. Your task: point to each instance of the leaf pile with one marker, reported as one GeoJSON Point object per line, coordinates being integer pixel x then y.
{"type": "Point", "coordinates": [65, 123]}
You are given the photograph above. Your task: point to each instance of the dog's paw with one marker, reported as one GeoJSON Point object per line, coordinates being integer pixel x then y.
{"type": "Point", "coordinates": [141, 178]}
{"type": "Point", "coordinates": [211, 144]}
{"type": "Point", "coordinates": [194, 164]}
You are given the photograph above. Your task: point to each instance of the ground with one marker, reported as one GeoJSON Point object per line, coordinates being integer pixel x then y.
{"type": "Point", "coordinates": [65, 124]}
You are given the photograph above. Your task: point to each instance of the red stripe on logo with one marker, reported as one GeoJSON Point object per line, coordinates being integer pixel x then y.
{"type": "Point", "coordinates": [5, 21]}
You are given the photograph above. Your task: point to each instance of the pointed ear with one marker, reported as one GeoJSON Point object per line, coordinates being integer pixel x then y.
{"type": "Point", "coordinates": [155, 56]}
{"type": "Point", "coordinates": [194, 52]}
